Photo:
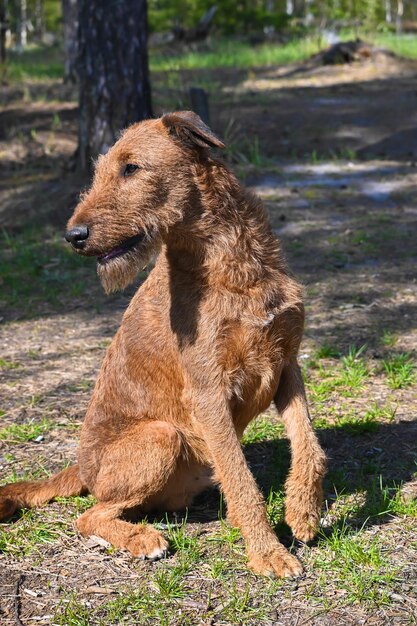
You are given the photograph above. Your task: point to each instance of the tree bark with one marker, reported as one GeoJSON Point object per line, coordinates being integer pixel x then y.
{"type": "Point", "coordinates": [21, 28]}
{"type": "Point", "coordinates": [38, 19]}
{"type": "Point", "coordinates": [289, 4]}
{"type": "Point", "coordinates": [399, 18]}
{"type": "Point", "coordinates": [388, 11]}
{"type": "Point", "coordinates": [3, 30]}
{"type": "Point", "coordinates": [70, 31]}
{"type": "Point", "coordinates": [113, 72]}
{"type": "Point", "coordinates": [299, 8]}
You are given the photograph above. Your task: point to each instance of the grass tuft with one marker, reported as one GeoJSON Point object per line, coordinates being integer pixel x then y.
{"type": "Point", "coordinates": [31, 532]}
{"type": "Point", "coordinates": [358, 565]}
{"type": "Point", "coordinates": [327, 351]}
{"type": "Point", "coordinates": [400, 370]}
{"type": "Point", "coordinates": [262, 429]}
{"type": "Point", "coordinates": [8, 365]}
{"type": "Point", "coordinates": [19, 433]}
{"type": "Point", "coordinates": [354, 370]}
{"type": "Point", "coordinates": [236, 54]}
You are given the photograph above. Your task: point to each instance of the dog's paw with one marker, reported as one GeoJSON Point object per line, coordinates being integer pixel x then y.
{"type": "Point", "coordinates": [302, 509]}
{"type": "Point", "coordinates": [303, 520]}
{"type": "Point", "coordinates": [304, 530]}
{"type": "Point", "coordinates": [147, 543]}
{"type": "Point", "coordinates": [278, 563]}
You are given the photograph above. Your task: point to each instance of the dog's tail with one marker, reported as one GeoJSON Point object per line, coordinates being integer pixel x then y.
{"type": "Point", "coordinates": [28, 494]}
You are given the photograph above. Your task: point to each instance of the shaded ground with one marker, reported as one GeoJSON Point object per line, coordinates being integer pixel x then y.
{"type": "Point", "coordinates": [331, 151]}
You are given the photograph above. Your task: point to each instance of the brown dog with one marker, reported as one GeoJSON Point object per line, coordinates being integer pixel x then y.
{"type": "Point", "coordinates": [208, 341]}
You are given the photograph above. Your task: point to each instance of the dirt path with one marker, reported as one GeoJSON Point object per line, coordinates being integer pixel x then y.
{"type": "Point", "coordinates": [348, 226]}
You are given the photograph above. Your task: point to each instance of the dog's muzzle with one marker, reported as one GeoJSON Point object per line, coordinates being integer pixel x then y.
{"type": "Point", "coordinates": [77, 236]}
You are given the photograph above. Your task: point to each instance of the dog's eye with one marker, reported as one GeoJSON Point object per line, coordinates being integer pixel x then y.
{"type": "Point", "coordinates": [130, 169]}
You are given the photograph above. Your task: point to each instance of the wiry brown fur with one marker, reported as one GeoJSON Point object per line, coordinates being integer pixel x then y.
{"type": "Point", "coordinates": [208, 341]}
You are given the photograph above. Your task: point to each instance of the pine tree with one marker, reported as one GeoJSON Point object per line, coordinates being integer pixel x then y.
{"type": "Point", "coordinates": [113, 72]}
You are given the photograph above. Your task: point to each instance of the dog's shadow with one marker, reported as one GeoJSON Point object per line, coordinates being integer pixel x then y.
{"type": "Point", "coordinates": [372, 464]}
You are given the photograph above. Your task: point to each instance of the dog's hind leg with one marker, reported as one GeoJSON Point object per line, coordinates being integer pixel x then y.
{"type": "Point", "coordinates": [304, 483]}
{"type": "Point", "coordinates": [133, 469]}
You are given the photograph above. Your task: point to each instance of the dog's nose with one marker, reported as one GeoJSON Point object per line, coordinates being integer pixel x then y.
{"type": "Point", "coordinates": [77, 236]}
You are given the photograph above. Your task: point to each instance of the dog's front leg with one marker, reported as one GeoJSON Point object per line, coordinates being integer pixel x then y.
{"type": "Point", "coordinates": [266, 554]}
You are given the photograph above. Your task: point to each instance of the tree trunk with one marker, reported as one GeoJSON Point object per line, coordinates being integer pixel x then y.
{"type": "Point", "coordinates": [299, 8]}
{"type": "Point", "coordinates": [38, 19]}
{"type": "Point", "coordinates": [388, 11]}
{"type": "Point", "coordinates": [69, 29]}
{"type": "Point", "coordinates": [113, 72]}
{"type": "Point", "coordinates": [289, 7]}
{"type": "Point", "coordinates": [399, 18]}
{"type": "Point", "coordinates": [21, 27]}
{"type": "Point", "coordinates": [3, 30]}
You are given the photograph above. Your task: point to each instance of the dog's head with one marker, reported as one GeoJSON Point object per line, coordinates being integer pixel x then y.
{"type": "Point", "coordinates": [141, 189]}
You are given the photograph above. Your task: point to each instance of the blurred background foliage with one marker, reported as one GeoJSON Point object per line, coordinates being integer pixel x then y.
{"type": "Point", "coordinates": [44, 17]}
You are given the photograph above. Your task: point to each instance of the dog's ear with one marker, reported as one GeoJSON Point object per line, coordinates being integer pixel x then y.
{"type": "Point", "coordinates": [190, 128]}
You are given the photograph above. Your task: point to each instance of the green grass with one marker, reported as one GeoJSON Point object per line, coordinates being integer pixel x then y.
{"type": "Point", "coordinates": [384, 412]}
{"type": "Point", "coordinates": [34, 473]}
{"type": "Point", "coordinates": [341, 154]}
{"type": "Point", "coordinates": [241, 149]}
{"type": "Point", "coordinates": [275, 503]}
{"type": "Point", "coordinates": [72, 612]}
{"type": "Point", "coordinates": [205, 579]}
{"type": "Point", "coordinates": [329, 379]}
{"type": "Point", "coordinates": [346, 377]}
{"type": "Point", "coordinates": [77, 504]}
{"type": "Point", "coordinates": [351, 554]}
{"type": "Point", "coordinates": [39, 270]}
{"type": "Point", "coordinates": [8, 365]}
{"type": "Point", "coordinates": [386, 499]}
{"type": "Point", "coordinates": [354, 421]}
{"type": "Point", "coordinates": [262, 429]}
{"type": "Point", "coordinates": [356, 424]}
{"type": "Point", "coordinates": [327, 351]}
{"type": "Point", "coordinates": [400, 370]}
{"type": "Point", "coordinates": [404, 45]}
{"type": "Point", "coordinates": [41, 274]}
{"type": "Point", "coordinates": [388, 339]}
{"type": "Point", "coordinates": [245, 151]}
{"type": "Point", "coordinates": [236, 54]}
{"type": "Point", "coordinates": [41, 63]}
{"type": "Point", "coordinates": [187, 547]}
{"type": "Point", "coordinates": [210, 583]}
{"type": "Point", "coordinates": [354, 371]}
{"type": "Point", "coordinates": [19, 433]}
{"type": "Point", "coordinates": [358, 564]}
{"type": "Point", "coordinates": [32, 531]}
{"type": "Point", "coordinates": [164, 598]}
{"type": "Point", "coordinates": [36, 63]}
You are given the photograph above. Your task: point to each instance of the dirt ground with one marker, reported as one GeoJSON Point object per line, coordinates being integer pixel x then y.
{"type": "Point", "coordinates": [333, 152]}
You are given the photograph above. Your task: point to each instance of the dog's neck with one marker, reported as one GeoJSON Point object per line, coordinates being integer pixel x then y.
{"type": "Point", "coordinates": [225, 239]}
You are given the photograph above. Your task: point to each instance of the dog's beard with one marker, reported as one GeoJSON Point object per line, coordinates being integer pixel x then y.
{"type": "Point", "coordinates": [117, 273]}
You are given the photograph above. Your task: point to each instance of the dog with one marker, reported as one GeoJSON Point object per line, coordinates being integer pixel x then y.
{"type": "Point", "coordinates": [208, 341]}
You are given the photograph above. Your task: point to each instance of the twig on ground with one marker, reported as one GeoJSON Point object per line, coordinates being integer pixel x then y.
{"type": "Point", "coordinates": [17, 600]}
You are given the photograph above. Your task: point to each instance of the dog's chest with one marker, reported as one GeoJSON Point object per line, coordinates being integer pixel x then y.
{"type": "Point", "coordinates": [250, 359]}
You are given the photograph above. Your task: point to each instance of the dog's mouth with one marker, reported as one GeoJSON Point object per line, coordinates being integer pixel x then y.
{"type": "Point", "coordinates": [123, 248]}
